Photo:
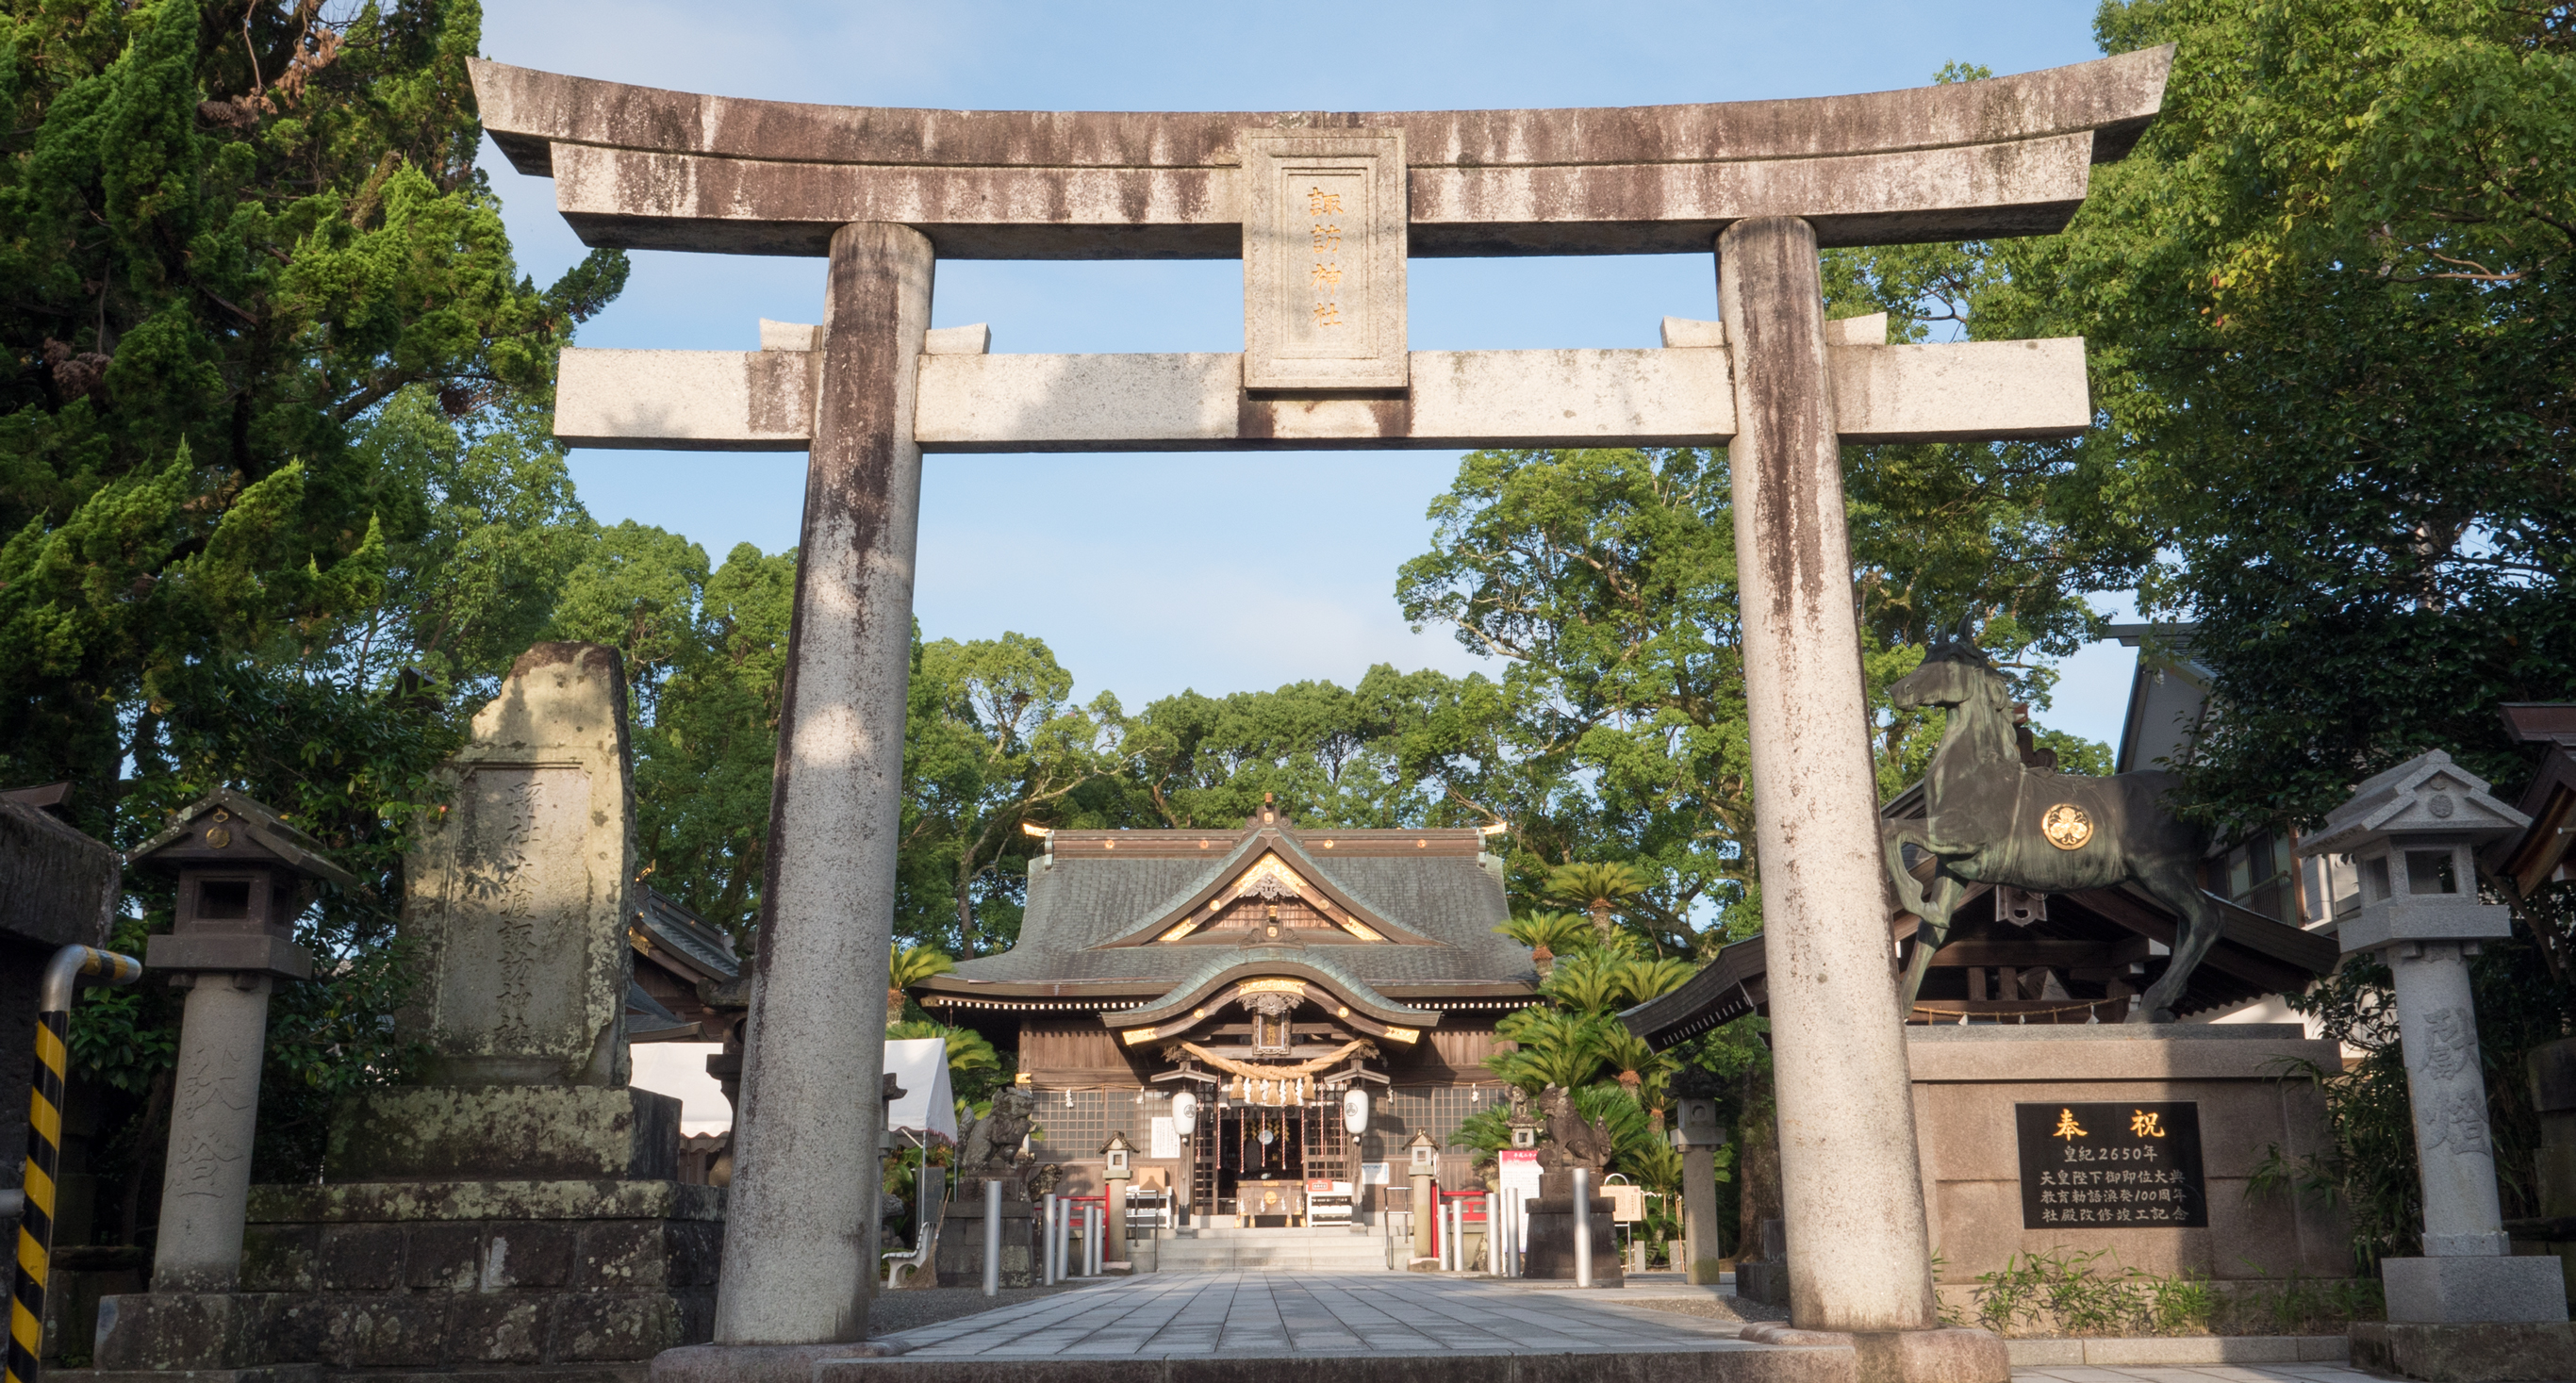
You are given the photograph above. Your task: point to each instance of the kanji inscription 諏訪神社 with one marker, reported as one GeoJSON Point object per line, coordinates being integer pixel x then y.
{"type": "Point", "coordinates": [1323, 260]}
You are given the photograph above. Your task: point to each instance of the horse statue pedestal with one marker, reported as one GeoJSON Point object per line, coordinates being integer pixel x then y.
{"type": "Point", "coordinates": [2137, 1140]}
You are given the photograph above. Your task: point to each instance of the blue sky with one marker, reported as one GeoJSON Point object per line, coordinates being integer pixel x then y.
{"type": "Point", "coordinates": [1149, 574]}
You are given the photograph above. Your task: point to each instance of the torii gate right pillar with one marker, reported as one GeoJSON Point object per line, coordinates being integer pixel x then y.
{"type": "Point", "coordinates": [1861, 1253]}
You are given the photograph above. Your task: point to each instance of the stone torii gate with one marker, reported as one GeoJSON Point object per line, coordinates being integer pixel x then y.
{"type": "Point", "coordinates": [1324, 210]}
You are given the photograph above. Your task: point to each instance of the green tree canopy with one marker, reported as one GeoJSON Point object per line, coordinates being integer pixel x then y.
{"type": "Point", "coordinates": [2332, 306]}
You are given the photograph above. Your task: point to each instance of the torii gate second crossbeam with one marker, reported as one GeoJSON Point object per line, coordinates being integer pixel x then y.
{"type": "Point", "coordinates": [1324, 210]}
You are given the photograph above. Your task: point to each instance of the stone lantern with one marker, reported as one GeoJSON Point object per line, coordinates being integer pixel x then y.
{"type": "Point", "coordinates": [2412, 834]}
{"type": "Point", "coordinates": [1118, 1171]}
{"type": "Point", "coordinates": [1698, 1135]}
{"type": "Point", "coordinates": [244, 876]}
{"type": "Point", "coordinates": [1422, 1157]}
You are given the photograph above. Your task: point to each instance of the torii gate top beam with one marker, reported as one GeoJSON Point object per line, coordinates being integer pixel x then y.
{"type": "Point", "coordinates": [643, 168]}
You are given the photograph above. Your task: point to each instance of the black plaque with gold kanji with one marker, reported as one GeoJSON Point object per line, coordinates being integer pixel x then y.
{"type": "Point", "coordinates": [2111, 1166]}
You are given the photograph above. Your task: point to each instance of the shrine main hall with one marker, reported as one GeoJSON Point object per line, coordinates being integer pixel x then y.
{"type": "Point", "coordinates": [1269, 971]}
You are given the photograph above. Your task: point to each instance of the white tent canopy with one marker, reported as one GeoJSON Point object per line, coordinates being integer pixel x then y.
{"type": "Point", "coordinates": [920, 1068]}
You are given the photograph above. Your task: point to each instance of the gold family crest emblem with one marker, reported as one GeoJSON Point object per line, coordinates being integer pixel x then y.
{"type": "Point", "coordinates": [2066, 826]}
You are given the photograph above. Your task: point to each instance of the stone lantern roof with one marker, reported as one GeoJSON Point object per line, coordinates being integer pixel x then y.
{"type": "Point", "coordinates": [226, 828]}
{"type": "Point", "coordinates": [2412, 833]}
{"type": "Point", "coordinates": [2425, 797]}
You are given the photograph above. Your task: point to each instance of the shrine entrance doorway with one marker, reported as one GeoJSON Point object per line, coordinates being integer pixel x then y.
{"type": "Point", "coordinates": [1261, 1163]}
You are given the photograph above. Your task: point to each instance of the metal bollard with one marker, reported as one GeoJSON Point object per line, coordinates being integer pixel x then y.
{"type": "Point", "coordinates": [1093, 1218]}
{"type": "Point", "coordinates": [1486, 1201]}
{"type": "Point", "coordinates": [1582, 1226]}
{"type": "Point", "coordinates": [45, 1143]}
{"type": "Point", "coordinates": [992, 1238]}
{"type": "Point", "coordinates": [1047, 1244]}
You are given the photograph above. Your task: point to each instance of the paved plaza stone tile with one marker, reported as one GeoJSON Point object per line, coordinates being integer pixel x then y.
{"type": "Point", "coordinates": [1305, 1313]}
{"type": "Point", "coordinates": [1276, 1314]}
{"type": "Point", "coordinates": [2196, 1374]}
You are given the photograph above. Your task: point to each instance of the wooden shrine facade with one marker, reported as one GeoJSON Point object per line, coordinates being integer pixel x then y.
{"type": "Point", "coordinates": [1269, 972]}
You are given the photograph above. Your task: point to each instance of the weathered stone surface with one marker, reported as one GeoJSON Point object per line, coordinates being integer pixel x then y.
{"type": "Point", "coordinates": [749, 401]}
{"type": "Point", "coordinates": [1932, 1356]}
{"type": "Point", "coordinates": [648, 168]}
{"type": "Point", "coordinates": [2474, 1288]}
{"type": "Point", "coordinates": [961, 1244]}
{"type": "Point", "coordinates": [1323, 258]}
{"type": "Point", "coordinates": [803, 1203]}
{"type": "Point", "coordinates": [1861, 1251]}
{"type": "Point", "coordinates": [518, 890]}
{"type": "Point", "coordinates": [188, 1330]}
{"type": "Point", "coordinates": [446, 1132]}
{"type": "Point", "coordinates": [408, 1201]}
{"type": "Point", "coordinates": [1549, 1252]}
{"type": "Point", "coordinates": [2243, 1077]}
{"type": "Point", "coordinates": [2487, 1353]}
{"type": "Point", "coordinates": [753, 1363]}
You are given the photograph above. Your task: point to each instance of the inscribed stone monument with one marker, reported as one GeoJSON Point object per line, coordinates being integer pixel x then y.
{"type": "Point", "coordinates": [520, 1212]}
{"type": "Point", "coordinates": [518, 889]}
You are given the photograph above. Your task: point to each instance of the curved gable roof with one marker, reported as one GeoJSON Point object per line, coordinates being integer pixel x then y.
{"type": "Point", "coordinates": [1318, 890]}
{"type": "Point", "coordinates": [1098, 898]}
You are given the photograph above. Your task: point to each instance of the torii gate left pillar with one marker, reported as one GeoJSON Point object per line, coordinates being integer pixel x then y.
{"type": "Point", "coordinates": [873, 191]}
{"type": "Point", "coordinates": [809, 1116]}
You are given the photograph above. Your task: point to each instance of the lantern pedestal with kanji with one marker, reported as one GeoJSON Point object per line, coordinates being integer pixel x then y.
{"type": "Point", "coordinates": [2467, 1307]}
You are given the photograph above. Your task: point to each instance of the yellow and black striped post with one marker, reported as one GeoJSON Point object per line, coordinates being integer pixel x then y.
{"type": "Point", "coordinates": [45, 1144]}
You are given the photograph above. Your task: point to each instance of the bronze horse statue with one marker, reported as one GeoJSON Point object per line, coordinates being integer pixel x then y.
{"type": "Point", "coordinates": [1992, 818]}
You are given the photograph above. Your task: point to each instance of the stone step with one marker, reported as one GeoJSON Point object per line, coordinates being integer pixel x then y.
{"type": "Point", "coordinates": [1355, 1253]}
{"type": "Point", "coordinates": [1326, 1235]}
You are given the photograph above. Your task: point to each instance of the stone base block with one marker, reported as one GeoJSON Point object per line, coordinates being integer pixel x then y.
{"type": "Point", "coordinates": [1948, 1355]}
{"type": "Point", "coordinates": [961, 1245]}
{"type": "Point", "coordinates": [521, 1132]}
{"type": "Point", "coordinates": [2491, 1352]}
{"type": "Point", "coordinates": [1765, 1280]}
{"type": "Point", "coordinates": [1933, 1356]}
{"type": "Point", "coordinates": [761, 1363]}
{"type": "Point", "coordinates": [2436, 1291]}
{"type": "Point", "coordinates": [1549, 1254]}
{"type": "Point", "coordinates": [549, 1281]}
{"type": "Point", "coordinates": [282, 1373]}
{"type": "Point", "coordinates": [169, 1333]}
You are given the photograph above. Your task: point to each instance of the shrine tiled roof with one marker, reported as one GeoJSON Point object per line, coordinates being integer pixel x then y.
{"type": "Point", "coordinates": [1097, 898]}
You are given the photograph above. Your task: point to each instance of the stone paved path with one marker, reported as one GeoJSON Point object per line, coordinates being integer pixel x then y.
{"type": "Point", "coordinates": [1307, 1313]}
{"type": "Point", "coordinates": [1291, 1314]}
{"type": "Point", "coordinates": [2194, 1373]}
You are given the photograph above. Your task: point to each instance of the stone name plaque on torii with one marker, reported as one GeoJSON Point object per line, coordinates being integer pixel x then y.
{"type": "Point", "coordinates": [1323, 209]}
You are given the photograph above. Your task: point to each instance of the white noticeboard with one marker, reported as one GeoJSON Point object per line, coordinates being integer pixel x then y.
{"type": "Point", "coordinates": [1372, 1174]}
{"type": "Point", "coordinates": [1166, 1140]}
{"type": "Point", "coordinates": [1519, 1168]}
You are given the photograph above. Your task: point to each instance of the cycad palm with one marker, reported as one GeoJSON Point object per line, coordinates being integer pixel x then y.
{"type": "Point", "coordinates": [908, 967]}
{"type": "Point", "coordinates": [1549, 935]}
{"type": "Point", "coordinates": [967, 1049]}
{"type": "Point", "coordinates": [1600, 888]}
{"type": "Point", "coordinates": [1594, 981]}
{"type": "Point", "coordinates": [1648, 979]}
{"type": "Point", "coordinates": [1550, 1047]}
